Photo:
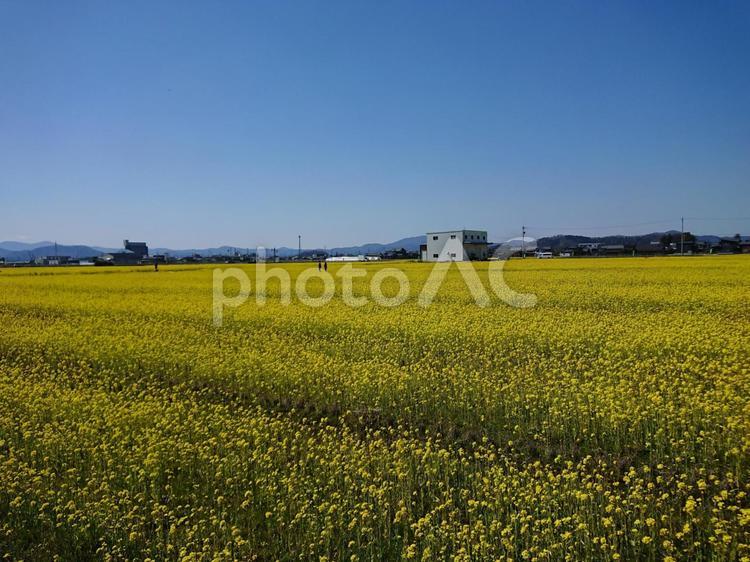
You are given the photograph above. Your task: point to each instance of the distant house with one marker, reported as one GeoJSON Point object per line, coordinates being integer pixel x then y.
{"type": "Point", "coordinates": [569, 251]}
{"type": "Point", "coordinates": [727, 246]}
{"type": "Point", "coordinates": [687, 247]}
{"type": "Point", "coordinates": [650, 248]}
{"type": "Point", "coordinates": [360, 257]}
{"type": "Point", "coordinates": [400, 254]}
{"type": "Point", "coordinates": [456, 245]}
{"type": "Point", "coordinates": [345, 258]}
{"type": "Point", "coordinates": [119, 258]}
{"type": "Point", "coordinates": [612, 250]}
{"type": "Point", "coordinates": [589, 248]}
{"type": "Point", "coordinates": [140, 249]}
{"type": "Point", "coordinates": [134, 253]}
{"type": "Point", "coordinates": [52, 260]}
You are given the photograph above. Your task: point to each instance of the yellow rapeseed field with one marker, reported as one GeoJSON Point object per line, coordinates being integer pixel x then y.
{"type": "Point", "coordinates": [609, 422]}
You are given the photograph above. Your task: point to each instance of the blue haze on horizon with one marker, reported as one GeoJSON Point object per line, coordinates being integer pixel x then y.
{"type": "Point", "coordinates": [196, 124]}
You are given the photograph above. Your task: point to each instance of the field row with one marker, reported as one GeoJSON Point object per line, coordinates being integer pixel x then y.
{"type": "Point", "coordinates": [610, 421]}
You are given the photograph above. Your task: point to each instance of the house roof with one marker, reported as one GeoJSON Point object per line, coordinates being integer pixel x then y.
{"type": "Point", "coordinates": [457, 230]}
{"type": "Point", "coordinates": [652, 245]}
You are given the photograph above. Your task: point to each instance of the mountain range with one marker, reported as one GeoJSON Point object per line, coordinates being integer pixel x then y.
{"type": "Point", "coordinates": [572, 240]}
{"type": "Point", "coordinates": [25, 251]}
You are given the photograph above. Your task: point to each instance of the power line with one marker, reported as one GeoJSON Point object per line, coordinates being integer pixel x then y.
{"type": "Point", "coordinates": [668, 221]}
{"type": "Point", "coordinates": [649, 223]}
{"type": "Point", "coordinates": [682, 236]}
{"type": "Point", "coordinates": [718, 219]}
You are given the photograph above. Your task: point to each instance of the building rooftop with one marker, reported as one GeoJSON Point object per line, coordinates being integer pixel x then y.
{"type": "Point", "coordinates": [456, 230]}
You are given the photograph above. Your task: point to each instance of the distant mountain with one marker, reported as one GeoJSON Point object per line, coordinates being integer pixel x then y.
{"type": "Point", "coordinates": [24, 251]}
{"type": "Point", "coordinates": [22, 246]}
{"type": "Point", "coordinates": [205, 252]}
{"type": "Point", "coordinates": [410, 244]}
{"type": "Point", "coordinates": [75, 251]}
{"type": "Point", "coordinates": [570, 240]}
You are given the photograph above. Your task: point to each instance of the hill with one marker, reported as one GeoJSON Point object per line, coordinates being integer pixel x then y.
{"type": "Point", "coordinates": [74, 251]}
{"type": "Point", "coordinates": [24, 251]}
{"type": "Point", "coordinates": [13, 246]}
{"type": "Point", "coordinates": [572, 240]}
{"type": "Point", "coordinates": [410, 244]}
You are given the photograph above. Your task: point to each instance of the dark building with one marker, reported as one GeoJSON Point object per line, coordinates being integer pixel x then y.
{"type": "Point", "coordinates": [140, 249]}
{"type": "Point", "coordinates": [612, 250]}
{"type": "Point", "coordinates": [692, 246]}
{"type": "Point", "coordinates": [727, 246]}
{"type": "Point", "coordinates": [52, 260]}
{"type": "Point", "coordinates": [650, 247]}
{"type": "Point", "coordinates": [118, 258]}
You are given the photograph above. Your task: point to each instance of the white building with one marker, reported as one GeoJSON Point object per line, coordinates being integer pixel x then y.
{"type": "Point", "coordinates": [456, 245]}
{"type": "Point", "coordinates": [353, 258]}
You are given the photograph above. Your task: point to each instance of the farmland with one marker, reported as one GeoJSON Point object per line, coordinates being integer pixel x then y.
{"type": "Point", "coordinates": [610, 421]}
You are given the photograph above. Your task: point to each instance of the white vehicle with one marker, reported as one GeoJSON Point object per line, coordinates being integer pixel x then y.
{"type": "Point", "coordinates": [543, 255]}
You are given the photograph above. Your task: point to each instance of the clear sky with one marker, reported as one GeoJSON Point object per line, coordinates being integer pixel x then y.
{"type": "Point", "coordinates": [191, 124]}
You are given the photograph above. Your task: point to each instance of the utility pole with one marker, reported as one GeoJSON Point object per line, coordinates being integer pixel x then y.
{"type": "Point", "coordinates": [682, 236]}
{"type": "Point", "coordinates": [523, 241]}
{"type": "Point", "coordinates": [299, 246]}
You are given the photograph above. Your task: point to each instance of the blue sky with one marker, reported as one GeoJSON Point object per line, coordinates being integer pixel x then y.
{"type": "Point", "coordinates": [193, 124]}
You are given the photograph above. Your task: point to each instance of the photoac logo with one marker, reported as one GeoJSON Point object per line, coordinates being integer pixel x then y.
{"type": "Point", "coordinates": [348, 273]}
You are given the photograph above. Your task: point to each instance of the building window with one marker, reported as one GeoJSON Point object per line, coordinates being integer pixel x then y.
{"type": "Point", "coordinates": [435, 256]}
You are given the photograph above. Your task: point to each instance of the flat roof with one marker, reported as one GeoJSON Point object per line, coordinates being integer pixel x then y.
{"type": "Point", "coordinates": [457, 230]}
